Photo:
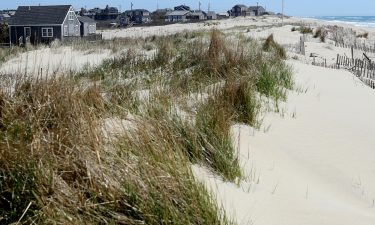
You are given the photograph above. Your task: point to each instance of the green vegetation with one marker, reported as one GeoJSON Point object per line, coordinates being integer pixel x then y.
{"type": "Point", "coordinates": [302, 29]}
{"type": "Point", "coordinates": [63, 160]}
{"type": "Point", "coordinates": [364, 35]}
{"type": "Point", "coordinates": [305, 30]}
{"type": "Point", "coordinates": [4, 33]}
{"type": "Point", "coordinates": [321, 34]}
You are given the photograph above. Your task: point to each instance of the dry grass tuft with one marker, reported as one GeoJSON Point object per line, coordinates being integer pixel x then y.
{"type": "Point", "coordinates": [271, 45]}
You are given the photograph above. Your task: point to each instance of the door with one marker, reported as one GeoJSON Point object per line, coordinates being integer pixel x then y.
{"type": "Point", "coordinates": [27, 34]}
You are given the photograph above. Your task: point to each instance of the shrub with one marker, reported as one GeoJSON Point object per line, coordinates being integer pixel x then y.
{"type": "Point", "coordinates": [364, 35]}
{"type": "Point", "coordinates": [4, 33]}
{"type": "Point", "coordinates": [305, 30]}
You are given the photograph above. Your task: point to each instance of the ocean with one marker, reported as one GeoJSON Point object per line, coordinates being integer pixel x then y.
{"type": "Point", "coordinates": [360, 21]}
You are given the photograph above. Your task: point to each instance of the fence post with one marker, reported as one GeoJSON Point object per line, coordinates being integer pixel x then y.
{"type": "Point", "coordinates": [364, 68]}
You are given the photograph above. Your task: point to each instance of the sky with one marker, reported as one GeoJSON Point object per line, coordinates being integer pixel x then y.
{"type": "Point", "coordinates": [292, 7]}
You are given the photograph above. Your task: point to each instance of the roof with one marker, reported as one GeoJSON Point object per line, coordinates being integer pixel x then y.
{"type": "Point", "coordinates": [34, 15]}
{"type": "Point", "coordinates": [163, 10]}
{"type": "Point", "coordinates": [255, 8]}
{"type": "Point", "coordinates": [5, 15]}
{"type": "Point", "coordinates": [197, 13]}
{"type": "Point", "coordinates": [178, 13]}
{"type": "Point", "coordinates": [182, 8]}
{"type": "Point", "coordinates": [138, 10]}
{"type": "Point", "coordinates": [85, 19]}
{"type": "Point", "coordinates": [211, 13]}
{"type": "Point", "coordinates": [240, 6]}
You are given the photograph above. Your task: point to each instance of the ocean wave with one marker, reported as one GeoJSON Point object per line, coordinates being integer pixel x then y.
{"type": "Point", "coordinates": [359, 21]}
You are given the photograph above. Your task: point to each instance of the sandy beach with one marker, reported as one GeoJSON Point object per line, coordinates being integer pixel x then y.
{"type": "Point", "coordinates": [311, 163]}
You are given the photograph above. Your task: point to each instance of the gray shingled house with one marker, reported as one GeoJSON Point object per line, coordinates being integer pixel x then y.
{"type": "Point", "coordinates": [239, 10]}
{"type": "Point", "coordinates": [137, 16]}
{"type": "Point", "coordinates": [196, 15]}
{"type": "Point", "coordinates": [43, 24]}
{"type": "Point", "coordinates": [257, 10]}
{"type": "Point", "coordinates": [88, 26]}
{"type": "Point", "coordinates": [177, 16]}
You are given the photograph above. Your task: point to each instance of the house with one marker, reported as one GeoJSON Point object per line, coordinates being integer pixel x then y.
{"type": "Point", "coordinates": [4, 17]}
{"type": "Point", "coordinates": [88, 26]}
{"type": "Point", "coordinates": [109, 13]}
{"type": "Point", "coordinates": [239, 10]}
{"type": "Point", "coordinates": [257, 10]}
{"type": "Point", "coordinates": [159, 15]}
{"type": "Point", "coordinates": [137, 16]}
{"type": "Point", "coordinates": [222, 16]}
{"type": "Point", "coordinates": [211, 15]}
{"type": "Point", "coordinates": [177, 16]}
{"type": "Point", "coordinates": [92, 12]}
{"type": "Point", "coordinates": [182, 8]}
{"type": "Point", "coordinates": [196, 15]}
{"type": "Point", "coordinates": [43, 24]}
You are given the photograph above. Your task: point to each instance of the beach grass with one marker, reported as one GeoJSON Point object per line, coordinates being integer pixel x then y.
{"type": "Point", "coordinates": [114, 144]}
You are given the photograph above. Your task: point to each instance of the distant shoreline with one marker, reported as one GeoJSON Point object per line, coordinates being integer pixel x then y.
{"type": "Point", "coordinates": [357, 21]}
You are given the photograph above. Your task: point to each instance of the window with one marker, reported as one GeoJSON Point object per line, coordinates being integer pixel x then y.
{"type": "Point", "coordinates": [71, 15]}
{"type": "Point", "coordinates": [47, 32]}
{"type": "Point", "coordinates": [76, 29]}
{"type": "Point", "coordinates": [27, 31]}
{"type": "Point", "coordinates": [66, 31]}
{"type": "Point", "coordinates": [92, 29]}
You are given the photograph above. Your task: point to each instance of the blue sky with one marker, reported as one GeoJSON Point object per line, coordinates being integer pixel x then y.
{"type": "Point", "coordinates": [292, 7]}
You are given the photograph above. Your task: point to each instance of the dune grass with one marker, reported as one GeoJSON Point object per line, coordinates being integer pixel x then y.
{"type": "Point", "coordinates": [271, 45]}
{"type": "Point", "coordinates": [7, 53]}
{"type": "Point", "coordinates": [60, 163]}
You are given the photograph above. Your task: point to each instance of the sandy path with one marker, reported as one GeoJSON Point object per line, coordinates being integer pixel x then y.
{"type": "Point", "coordinates": [316, 168]}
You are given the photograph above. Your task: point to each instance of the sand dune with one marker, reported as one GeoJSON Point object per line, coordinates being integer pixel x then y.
{"type": "Point", "coordinates": [51, 61]}
{"type": "Point", "coordinates": [316, 165]}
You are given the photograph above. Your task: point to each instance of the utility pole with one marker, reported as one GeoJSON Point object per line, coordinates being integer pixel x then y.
{"type": "Point", "coordinates": [282, 13]}
{"type": "Point", "coordinates": [199, 6]}
{"type": "Point", "coordinates": [131, 6]}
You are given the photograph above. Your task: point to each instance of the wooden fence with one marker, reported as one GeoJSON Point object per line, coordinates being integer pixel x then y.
{"type": "Point", "coordinates": [364, 68]}
{"type": "Point", "coordinates": [365, 47]}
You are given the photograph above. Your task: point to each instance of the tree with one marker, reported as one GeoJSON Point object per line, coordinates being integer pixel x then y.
{"type": "Point", "coordinates": [4, 33]}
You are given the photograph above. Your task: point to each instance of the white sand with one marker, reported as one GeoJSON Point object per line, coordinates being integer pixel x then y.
{"type": "Point", "coordinates": [53, 61]}
{"type": "Point", "coordinates": [316, 168]}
